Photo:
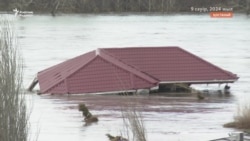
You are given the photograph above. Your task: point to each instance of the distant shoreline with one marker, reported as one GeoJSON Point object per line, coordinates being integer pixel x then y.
{"type": "Point", "coordinates": [126, 6]}
{"type": "Point", "coordinates": [123, 13]}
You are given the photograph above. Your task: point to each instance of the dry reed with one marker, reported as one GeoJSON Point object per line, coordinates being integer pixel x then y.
{"type": "Point", "coordinates": [13, 115]}
{"type": "Point", "coordinates": [133, 121]}
{"type": "Point", "coordinates": [242, 117]}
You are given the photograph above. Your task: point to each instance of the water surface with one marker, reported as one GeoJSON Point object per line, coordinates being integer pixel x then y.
{"type": "Point", "coordinates": [46, 41]}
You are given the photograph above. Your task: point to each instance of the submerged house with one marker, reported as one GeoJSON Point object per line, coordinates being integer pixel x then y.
{"type": "Point", "coordinates": [124, 69]}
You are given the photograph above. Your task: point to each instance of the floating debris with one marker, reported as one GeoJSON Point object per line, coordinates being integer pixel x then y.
{"type": "Point", "coordinates": [117, 138]}
{"type": "Point", "coordinates": [89, 118]}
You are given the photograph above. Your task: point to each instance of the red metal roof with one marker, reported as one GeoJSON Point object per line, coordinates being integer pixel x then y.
{"type": "Point", "coordinates": [119, 69]}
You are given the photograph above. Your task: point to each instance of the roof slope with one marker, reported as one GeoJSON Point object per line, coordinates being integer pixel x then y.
{"type": "Point", "coordinates": [117, 69]}
{"type": "Point", "coordinates": [90, 73]}
{"type": "Point", "coordinates": [54, 75]}
{"type": "Point", "coordinates": [172, 64]}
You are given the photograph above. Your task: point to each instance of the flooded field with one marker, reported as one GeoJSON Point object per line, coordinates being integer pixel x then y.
{"type": "Point", "coordinates": [46, 41]}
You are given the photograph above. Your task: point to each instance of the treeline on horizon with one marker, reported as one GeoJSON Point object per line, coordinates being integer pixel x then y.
{"type": "Point", "coordinates": [102, 6]}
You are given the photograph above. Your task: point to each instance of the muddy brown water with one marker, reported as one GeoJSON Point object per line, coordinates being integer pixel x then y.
{"type": "Point", "coordinates": [46, 41]}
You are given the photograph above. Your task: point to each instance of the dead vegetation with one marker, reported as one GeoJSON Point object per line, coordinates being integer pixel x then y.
{"type": "Point", "coordinates": [100, 6]}
{"type": "Point", "coordinates": [13, 110]}
{"type": "Point", "coordinates": [242, 117]}
{"type": "Point", "coordinates": [133, 123]}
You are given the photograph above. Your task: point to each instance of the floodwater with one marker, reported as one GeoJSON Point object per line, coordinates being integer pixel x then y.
{"type": "Point", "coordinates": [46, 41]}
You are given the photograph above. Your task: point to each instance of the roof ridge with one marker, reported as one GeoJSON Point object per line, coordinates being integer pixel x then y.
{"type": "Point", "coordinates": [108, 53]}
{"type": "Point", "coordinates": [140, 47]}
{"type": "Point", "coordinates": [199, 58]}
{"type": "Point", "coordinates": [132, 69]}
{"type": "Point", "coordinates": [81, 66]}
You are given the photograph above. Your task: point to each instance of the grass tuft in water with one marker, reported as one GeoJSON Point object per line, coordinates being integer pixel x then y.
{"type": "Point", "coordinates": [242, 118]}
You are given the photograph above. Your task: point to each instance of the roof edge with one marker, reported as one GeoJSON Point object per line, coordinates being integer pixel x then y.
{"type": "Point", "coordinates": [46, 90]}
{"type": "Point", "coordinates": [200, 81]}
{"type": "Point", "coordinates": [139, 47]}
{"type": "Point", "coordinates": [215, 66]}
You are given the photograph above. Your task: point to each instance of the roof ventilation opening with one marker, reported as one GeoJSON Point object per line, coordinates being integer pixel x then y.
{"type": "Point", "coordinates": [97, 52]}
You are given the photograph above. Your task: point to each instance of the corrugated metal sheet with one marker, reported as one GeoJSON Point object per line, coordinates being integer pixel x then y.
{"type": "Point", "coordinates": [118, 69]}
{"type": "Point", "coordinates": [171, 64]}
{"type": "Point", "coordinates": [53, 76]}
